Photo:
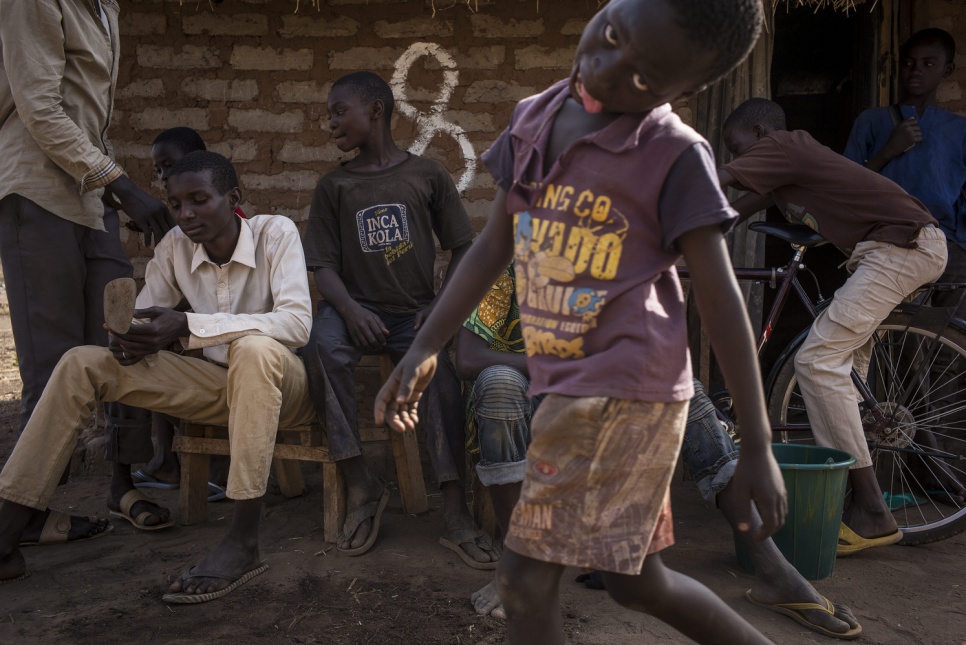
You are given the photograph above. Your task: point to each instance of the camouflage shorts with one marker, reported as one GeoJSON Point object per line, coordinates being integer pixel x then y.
{"type": "Point", "coordinates": [595, 493]}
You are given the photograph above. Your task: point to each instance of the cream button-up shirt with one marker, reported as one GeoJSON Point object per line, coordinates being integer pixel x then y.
{"type": "Point", "coordinates": [263, 289]}
{"type": "Point", "coordinates": [58, 72]}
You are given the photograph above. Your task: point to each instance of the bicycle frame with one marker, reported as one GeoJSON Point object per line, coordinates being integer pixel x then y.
{"type": "Point", "coordinates": [786, 279]}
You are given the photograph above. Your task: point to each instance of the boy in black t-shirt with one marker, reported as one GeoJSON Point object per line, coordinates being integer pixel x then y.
{"type": "Point", "coordinates": [370, 244]}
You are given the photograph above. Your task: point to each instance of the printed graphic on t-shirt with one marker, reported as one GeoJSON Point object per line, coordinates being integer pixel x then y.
{"type": "Point", "coordinates": [563, 265]}
{"type": "Point", "coordinates": [384, 229]}
{"type": "Point", "coordinates": [799, 215]}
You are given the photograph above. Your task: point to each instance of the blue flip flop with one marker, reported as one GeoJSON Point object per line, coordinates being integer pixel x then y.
{"type": "Point", "coordinates": [216, 492]}
{"type": "Point", "coordinates": [143, 479]}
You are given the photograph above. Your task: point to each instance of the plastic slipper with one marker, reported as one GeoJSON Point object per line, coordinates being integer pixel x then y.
{"type": "Point", "coordinates": [902, 500]}
{"type": "Point", "coordinates": [119, 299]}
{"type": "Point", "coordinates": [592, 580]}
{"type": "Point", "coordinates": [855, 542]}
{"type": "Point", "coordinates": [131, 498]}
{"type": "Point", "coordinates": [57, 528]}
{"type": "Point", "coordinates": [216, 492]}
{"type": "Point", "coordinates": [182, 598]}
{"type": "Point", "coordinates": [372, 510]}
{"type": "Point", "coordinates": [22, 576]}
{"type": "Point", "coordinates": [472, 536]}
{"type": "Point", "coordinates": [796, 611]}
{"type": "Point", "coordinates": [144, 479]}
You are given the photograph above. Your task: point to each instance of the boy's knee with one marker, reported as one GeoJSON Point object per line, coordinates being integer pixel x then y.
{"type": "Point", "coordinates": [87, 358]}
{"type": "Point", "coordinates": [255, 353]}
{"type": "Point", "coordinates": [502, 379]}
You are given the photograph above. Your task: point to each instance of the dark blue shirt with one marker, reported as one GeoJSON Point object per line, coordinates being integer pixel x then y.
{"type": "Point", "coordinates": [933, 171]}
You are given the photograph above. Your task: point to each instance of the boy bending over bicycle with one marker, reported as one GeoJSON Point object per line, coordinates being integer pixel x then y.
{"type": "Point", "coordinates": [894, 247]}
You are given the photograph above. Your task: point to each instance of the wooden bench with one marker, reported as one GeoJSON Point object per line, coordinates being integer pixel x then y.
{"type": "Point", "coordinates": [197, 443]}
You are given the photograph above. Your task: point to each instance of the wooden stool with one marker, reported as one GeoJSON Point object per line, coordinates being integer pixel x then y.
{"type": "Point", "coordinates": [302, 443]}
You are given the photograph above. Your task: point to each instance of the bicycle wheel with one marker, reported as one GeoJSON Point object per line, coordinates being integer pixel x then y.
{"type": "Point", "coordinates": [919, 447]}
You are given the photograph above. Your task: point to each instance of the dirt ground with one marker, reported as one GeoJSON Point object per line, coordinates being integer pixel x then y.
{"type": "Point", "coordinates": [408, 589]}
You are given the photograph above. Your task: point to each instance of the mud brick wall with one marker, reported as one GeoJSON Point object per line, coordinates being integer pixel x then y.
{"type": "Point", "coordinates": [252, 77]}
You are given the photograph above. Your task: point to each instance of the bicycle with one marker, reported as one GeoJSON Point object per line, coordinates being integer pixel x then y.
{"type": "Point", "coordinates": [912, 396]}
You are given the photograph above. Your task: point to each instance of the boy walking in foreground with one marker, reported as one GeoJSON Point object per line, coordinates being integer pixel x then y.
{"type": "Point", "coordinates": [894, 247]}
{"type": "Point", "coordinates": [370, 244]}
{"type": "Point", "coordinates": [602, 189]}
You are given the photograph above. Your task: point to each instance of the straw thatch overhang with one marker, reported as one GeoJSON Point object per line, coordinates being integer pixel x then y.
{"type": "Point", "coordinates": [475, 5]}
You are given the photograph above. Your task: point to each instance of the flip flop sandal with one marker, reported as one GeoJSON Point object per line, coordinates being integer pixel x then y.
{"type": "Point", "coordinates": [182, 598]}
{"type": "Point", "coordinates": [796, 611]}
{"type": "Point", "coordinates": [119, 298]}
{"type": "Point", "coordinates": [144, 479]}
{"type": "Point", "coordinates": [372, 510]}
{"type": "Point", "coordinates": [131, 498]}
{"type": "Point", "coordinates": [56, 530]}
{"type": "Point", "coordinates": [22, 576]}
{"type": "Point", "coordinates": [469, 536]}
{"type": "Point", "coordinates": [853, 542]}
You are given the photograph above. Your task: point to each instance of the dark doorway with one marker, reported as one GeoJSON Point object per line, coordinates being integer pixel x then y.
{"type": "Point", "coordinates": [823, 75]}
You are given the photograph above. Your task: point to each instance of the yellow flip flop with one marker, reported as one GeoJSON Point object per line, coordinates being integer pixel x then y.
{"type": "Point", "coordinates": [853, 542]}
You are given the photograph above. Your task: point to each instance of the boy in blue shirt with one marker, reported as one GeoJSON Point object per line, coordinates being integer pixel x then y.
{"type": "Point", "coordinates": [596, 165]}
{"type": "Point", "coordinates": [922, 148]}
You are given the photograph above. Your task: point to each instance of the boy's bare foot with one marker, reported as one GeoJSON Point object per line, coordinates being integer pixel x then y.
{"type": "Point", "coordinates": [786, 585]}
{"type": "Point", "coordinates": [487, 601]}
{"type": "Point", "coordinates": [869, 524]}
{"type": "Point", "coordinates": [78, 528]}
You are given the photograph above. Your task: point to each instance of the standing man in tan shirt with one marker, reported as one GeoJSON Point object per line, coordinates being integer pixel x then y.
{"type": "Point", "coordinates": [59, 237]}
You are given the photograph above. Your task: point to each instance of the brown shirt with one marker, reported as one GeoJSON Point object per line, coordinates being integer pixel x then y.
{"type": "Point", "coordinates": [845, 202]}
{"type": "Point", "coordinates": [58, 71]}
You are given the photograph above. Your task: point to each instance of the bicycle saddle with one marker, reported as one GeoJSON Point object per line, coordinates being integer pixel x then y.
{"type": "Point", "coordinates": [797, 234]}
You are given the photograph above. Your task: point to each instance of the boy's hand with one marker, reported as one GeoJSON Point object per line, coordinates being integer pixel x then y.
{"type": "Point", "coordinates": [150, 215]}
{"type": "Point", "coordinates": [904, 136]}
{"type": "Point", "coordinates": [160, 329]}
{"type": "Point", "coordinates": [398, 399]}
{"type": "Point", "coordinates": [365, 329]}
{"type": "Point", "coordinates": [422, 315]}
{"type": "Point", "coordinates": [758, 479]}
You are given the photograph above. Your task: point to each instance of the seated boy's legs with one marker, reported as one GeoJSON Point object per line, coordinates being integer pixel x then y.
{"type": "Point", "coordinates": [883, 275]}
{"type": "Point", "coordinates": [264, 385]}
{"type": "Point", "coordinates": [502, 411]}
{"type": "Point", "coordinates": [710, 457]}
{"type": "Point", "coordinates": [596, 496]}
{"type": "Point", "coordinates": [330, 359]}
{"type": "Point", "coordinates": [443, 420]}
{"type": "Point", "coordinates": [55, 273]}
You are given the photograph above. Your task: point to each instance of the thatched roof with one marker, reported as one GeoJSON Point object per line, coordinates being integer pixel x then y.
{"type": "Point", "coordinates": [474, 5]}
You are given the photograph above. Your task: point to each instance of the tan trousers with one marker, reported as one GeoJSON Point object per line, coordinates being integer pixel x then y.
{"type": "Point", "coordinates": [883, 275]}
{"type": "Point", "coordinates": [263, 387]}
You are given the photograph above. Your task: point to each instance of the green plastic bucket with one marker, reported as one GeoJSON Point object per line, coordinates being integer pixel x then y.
{"type": "Point", "coordinates": [815, 478]}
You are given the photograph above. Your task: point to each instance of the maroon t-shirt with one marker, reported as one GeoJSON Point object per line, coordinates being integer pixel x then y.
{"type": "Point", "coordinates": [813, 185]}
{"type": "Point", "coordinates": [600, 302]}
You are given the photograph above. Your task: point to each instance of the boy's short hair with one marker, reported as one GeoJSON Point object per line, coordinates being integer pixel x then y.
{"type": "Point", "coordinates": [223, 175]}
{"type": "Point", "coordinates": [729, 29]}
{"type": "Point", "coordinates": [755, 111]}
{"type": "Point", "coordinates": [931, 35]}
{"type": "Point", "coordinates": [369, 87]}
{"type": "Point", "coordinates": [184, 139]}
